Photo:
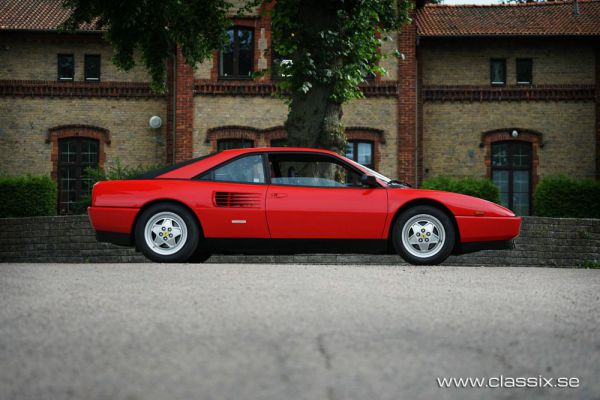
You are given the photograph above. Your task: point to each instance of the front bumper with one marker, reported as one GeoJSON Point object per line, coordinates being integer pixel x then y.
{"type": "Point", "coordinates": [488, 229]}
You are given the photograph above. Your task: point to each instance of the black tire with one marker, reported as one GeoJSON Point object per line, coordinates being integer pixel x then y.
{"type": "Point", "coordinates": [192, 233]}
{"type": "Point", "coordinates": [422, 213]}
{"type": "Point", "coordinates": [199, 256]}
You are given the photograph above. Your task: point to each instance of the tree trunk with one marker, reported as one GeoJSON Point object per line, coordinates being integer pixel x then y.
{"type": "Point", "coordinates": [313, 119]}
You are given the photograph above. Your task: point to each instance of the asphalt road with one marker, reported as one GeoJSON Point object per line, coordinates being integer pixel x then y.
{"type": "Point", "coordinates": [293, 331]}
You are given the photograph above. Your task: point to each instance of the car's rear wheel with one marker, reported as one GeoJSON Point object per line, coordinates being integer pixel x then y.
{"type": "Point", "coordinates": [167, 232]}
{"type": "Point", "coordinates": [424, 235]}
{"type": "Point", "coordinates": [199, 256]}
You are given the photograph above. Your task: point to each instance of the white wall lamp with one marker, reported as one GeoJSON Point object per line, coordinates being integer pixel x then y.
{"type": "Point", "coordinates": [155, 122]}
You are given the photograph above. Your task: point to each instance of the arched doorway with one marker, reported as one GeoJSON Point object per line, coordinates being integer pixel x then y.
{"type": "Point", "coordinates": [75, 154]}
{"type": "Point", "coordinates": [512, 163]}
{"type": "Point", "coordinates": [75, 148]}
{"type": "Point", "coordinates": [511, 171]}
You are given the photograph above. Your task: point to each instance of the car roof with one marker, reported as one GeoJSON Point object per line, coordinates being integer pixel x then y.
{"type": "Point", "coordinates": [191, 168]}
{"type": "Point", "coordinates": [278, 149]}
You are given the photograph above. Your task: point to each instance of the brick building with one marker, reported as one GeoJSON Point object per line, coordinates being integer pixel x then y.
{"type": "Point", "coordinates": [510, 92]}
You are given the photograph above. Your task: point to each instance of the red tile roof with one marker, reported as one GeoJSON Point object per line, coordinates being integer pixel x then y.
{"type": "Point", "coordinates": [529, 19]}
{"type": "Point", "coordinates": [34, 15]}
{"type": "Point", "coordinates": [535, 19]}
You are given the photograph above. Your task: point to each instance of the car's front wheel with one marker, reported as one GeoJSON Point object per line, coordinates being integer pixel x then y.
{"type": "Point", "coordinates": [424, 235]}
{"type": "Point", "coordinates": [167, 232]}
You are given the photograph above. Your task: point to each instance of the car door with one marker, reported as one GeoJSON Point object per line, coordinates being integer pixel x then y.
{"type": "Point", "coordinates": [237, 205]}
{"type": "Point", "coordinates": [315, 195]}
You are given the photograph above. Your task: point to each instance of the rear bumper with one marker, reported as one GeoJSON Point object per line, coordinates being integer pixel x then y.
{"type": "Point", "coordinates": [121, 239]}
{"type": "Point", "coordinates": [113, 224]}
{"type": "Point", "coordinates": [112, 219]}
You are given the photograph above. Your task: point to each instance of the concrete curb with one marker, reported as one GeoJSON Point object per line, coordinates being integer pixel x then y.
{"type": "Point", "coordinates": [548, 242]}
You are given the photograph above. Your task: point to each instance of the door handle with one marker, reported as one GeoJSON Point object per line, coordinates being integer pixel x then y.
{"type": "Point", "coordinates": [279, 195]}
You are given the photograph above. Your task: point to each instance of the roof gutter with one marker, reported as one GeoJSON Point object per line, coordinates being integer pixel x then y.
{"type": "Point", "coordinates": [56, 31]}
{"type": "Point", "coordinates": [519, 36]}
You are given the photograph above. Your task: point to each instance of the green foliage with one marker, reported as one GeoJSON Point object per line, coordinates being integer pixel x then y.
{"type": "Point", "coordinates": [113, 172]}
{"type": "Point", "coordinates": [591, 264]}
{"type": "Point", "coordinates": [153, 28]}
{"type": "Point", "coordinates": [477, 187]}
{"type": "Point", "coordinates": [333, 46]}
{"type": "Point", "coordinates": [328, 41]}
{"type": "Point", "coordinates": [27, 196]}
{"type": "Point", "coordinates": [118, 171]}
{"type": "Point", "coordinates": [563, 197]}
{"type": "Point", "coordinates": [333, 43]}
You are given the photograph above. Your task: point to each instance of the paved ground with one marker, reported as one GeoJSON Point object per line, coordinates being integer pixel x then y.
{"type": "Point", "coordinates": [293, 331]}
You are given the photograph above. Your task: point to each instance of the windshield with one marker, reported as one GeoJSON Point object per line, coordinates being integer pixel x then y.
{"type": "Point", "coordinates": [374, 173]}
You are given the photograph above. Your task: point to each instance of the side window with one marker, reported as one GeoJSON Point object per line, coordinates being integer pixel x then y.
{"type": "Point", "coordinates": [311, 170]}
{"type": "Point", "coordinates": [524, 71]}
{"type": "Point", "coordinates": [498, 71]}
{"type": "Point", "coordinates": [66, 67]}
{"type": "Point", "coordinates": [236, 58]}
{"type": "Point", "coordinates": [247, 169]}
{"type": "Point", "coordinates": [91, 63]}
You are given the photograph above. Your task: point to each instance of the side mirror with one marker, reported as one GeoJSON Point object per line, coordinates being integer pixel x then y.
{"type": "Point", "coordinates": [368, 180]}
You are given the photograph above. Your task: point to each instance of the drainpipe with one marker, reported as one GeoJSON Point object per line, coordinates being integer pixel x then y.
{"type": "Point", "coordinates": [174, 114]}
{"type": "Point", "coordinates": [417, 111]}
{"type": "Point", "coordinates": [416, 132]}
{"type": "Point", "coordinates": [576, 7]}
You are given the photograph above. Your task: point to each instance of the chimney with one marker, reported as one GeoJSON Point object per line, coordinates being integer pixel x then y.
{"type": "Point", "coordinates": [576, 7]}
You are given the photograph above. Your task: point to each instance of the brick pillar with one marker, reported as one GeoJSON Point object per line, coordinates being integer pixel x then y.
{"type": "Point", "coordinates": [180, 109]}
{"type": "Point", "coordinates": [407, 103]}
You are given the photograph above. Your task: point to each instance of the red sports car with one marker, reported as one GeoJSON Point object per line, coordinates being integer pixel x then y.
{"type": "Point", "coordinates": [289, 201]}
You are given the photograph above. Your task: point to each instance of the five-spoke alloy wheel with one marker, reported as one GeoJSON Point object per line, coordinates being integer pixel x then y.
{"type": "Point", "coordinates": [167, 232]}
{"type": "Point", "coordinates": [424, 235]}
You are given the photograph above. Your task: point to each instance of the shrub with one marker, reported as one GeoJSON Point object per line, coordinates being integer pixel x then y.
{"type": "Point", "coordinates": [114, 172]}
{"type": "Point", "coordinates": [118, 171]}
{"type": "Point", "coordinates": [591, 264]}
{"type": "Point", "coordinates": [562, 197]}
{"type": "Point", "coordinates": [27, 196]}
{"type": "Point", "coordinates": [477, 187]}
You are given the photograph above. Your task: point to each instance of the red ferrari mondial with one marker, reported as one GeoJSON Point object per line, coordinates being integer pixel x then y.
{"type": "Point", "coordinates": [289, 201]}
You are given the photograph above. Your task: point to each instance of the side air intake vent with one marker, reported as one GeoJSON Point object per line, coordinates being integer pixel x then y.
{"type": "Point", "coordinates": [231, 199]}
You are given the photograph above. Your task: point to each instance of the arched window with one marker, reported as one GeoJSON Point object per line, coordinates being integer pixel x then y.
{"type": "Point", "coordinates": [512, 162]}
{"type": "Point", "coordinates": [226, 144]}
{"type": "Point", "coordinates": [73, 149]}
{"type": "Point", "coordinates": [235, 136]}
{"type": "Point", "coordinates": [75, 154]}
{"type": "Point", "coordinates": [364, 145]}
{"type": "Point", "coordinates": [511, 171]}
{"type": "Point", "coordinates": [361, 151]}
{"type": "Point", "coordinates": [279, 142]}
